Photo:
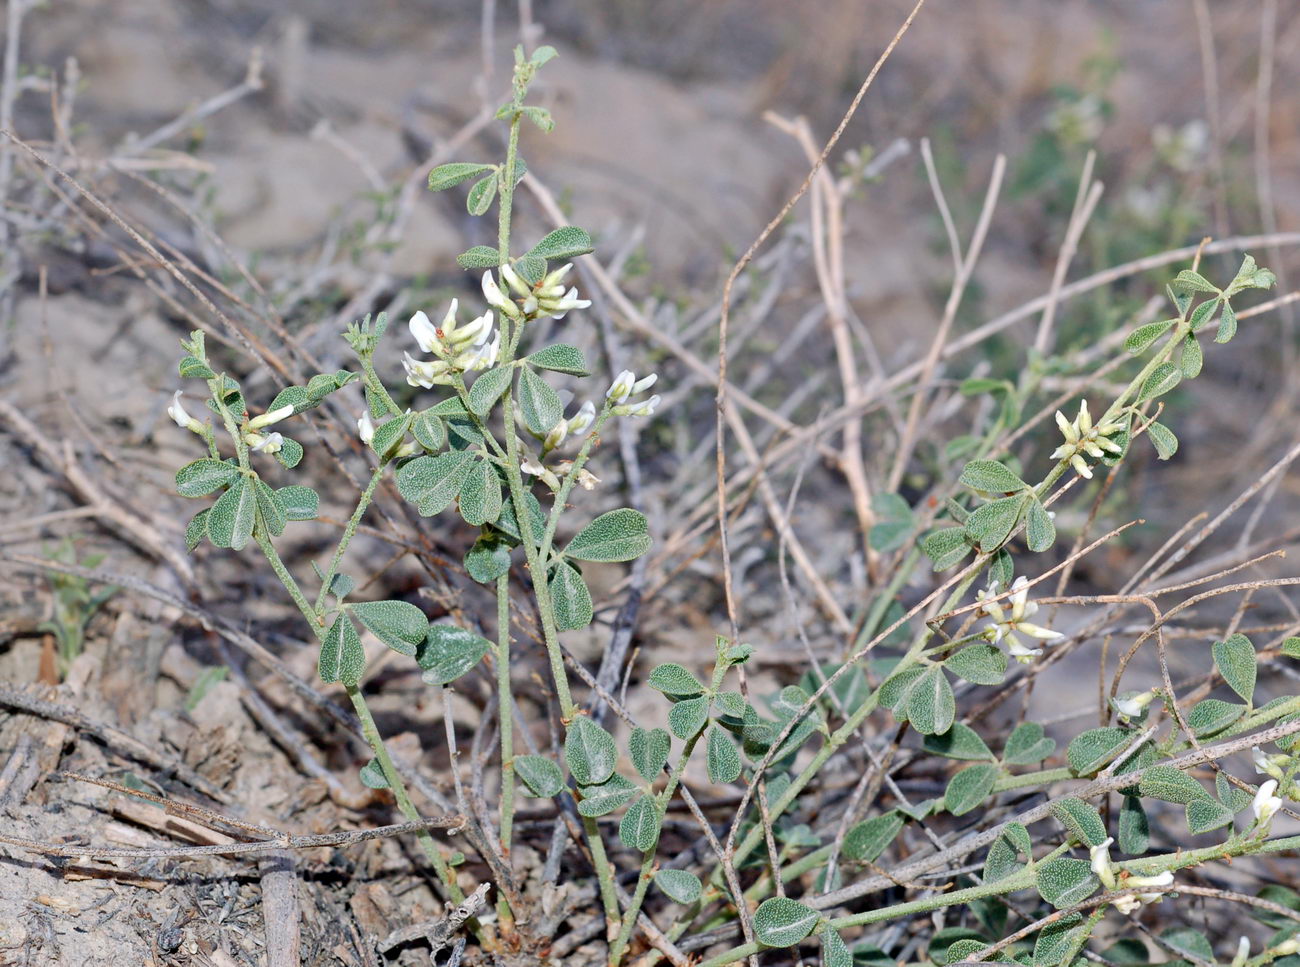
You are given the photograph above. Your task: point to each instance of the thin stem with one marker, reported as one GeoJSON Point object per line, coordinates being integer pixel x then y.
{"type": "Point", "coordinates": [348, 533]}
{"type": "Point", "coordinates": [505, 703]}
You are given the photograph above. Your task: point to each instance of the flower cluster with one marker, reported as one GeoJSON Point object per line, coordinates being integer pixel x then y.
{"type": "Point", "coordinates": [459, 349]}
{"type": "Point", "coordinates": [626, 385]}
{"type": "Point", "coordinates": [1010, 621]}
{"type": "Point", "coordinates": [547, 298]}
{"type": "Point", "coordinates": [1082, 438]}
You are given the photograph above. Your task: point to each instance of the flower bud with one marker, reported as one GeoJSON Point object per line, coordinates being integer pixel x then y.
{"type": "Point", "coordinates": [365, 427]}
{"type": "Point", "coordinates": [1265, 804]}
{"type": "Point", "coordinates": [180, 417]}
{"type": "Point", "coordinates": [424, 331]}
{"type": "Point", "coordinates": [621, 388]}
{"type": "Point", "coordinates": [496, 298]}
{"type": "Point", "coordinates": [275, 416]}
{"type": "Point", "coordinates": [585, 416]}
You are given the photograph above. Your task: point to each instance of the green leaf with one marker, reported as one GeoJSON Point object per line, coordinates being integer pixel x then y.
{"type": "Point", "coordinates": [560, 358]}
{"type": "Point", "coordinates": [570, 598]}
{"type": "Point", "coordinates": [1227, 324]}
{"type": "Point", "coordinates": [1171, 785]}
{"type": "Point", "coordinates": [723, 759]}
{"type": "Point", "coordinates": [982, 664]}
{"type": "Point", "coordinates": [341, 586]}
{"type": "Point", "coordinates": [605, 798]}
{"type": "Point", "coordinates": [481, 194]}
{"type": "Point", "coordinates": [541, 777]}
{"type": "Point", "coordinates": [590, 752]}
{"type": "Point", "coordinates": [1056, 940]}
{"type": "Point", "coordinates": [1063, 881]}
{"type": "Point", "coordinates": [202, 477]}
{"type": "Point", "coordinates": [449, 652]}
{"type": "Point", "coordinates": [1250, 276]}
{"type": "Point", "coordinates": [1134, 834]}
{"type": "Point", "coordinates": [1081, 820]}
{"type": "Point", "coordinates": [1190, 281]}
{"type": "Point", "coordinates": [1282, 896]}
{"type": "Point", "coordinates": [1040, 532]}
{"type": "Point", "coordinates": [398, 624]}
{"type": "Point", "coordinates": [991, 524]}
{"type": "Point", "coordinates": [1213, 715]}
{"type": "Point", "coordinates": [1189, 942]}
{"type": "Point", "coordinates": [480, 494]}
{"type": "Point", "coordinates": [619, 535]}
{"type": "Point", "coordinates": [894, 523]}
{"type": "Point", "coordinates": [269, 508]}
{"type": "Point", "coordinates": [1091, 750]}
{"type": "Point", "coordinates": [688, 716]}
{"type": "Point", "coordinates": [946, 547]}
{"type": "Point", "coordinates": [1160, 381]}
{"type": "Point", "coordinates": [530, 268]}
{"type": "Point", "coordinates": [1027, 745]}
{"type": "Point", "coordinates": [930, 704]}
{"type": "Point", "coordinates": [1203, 314]}
{"type": "Point", "coordinates": [1192, 359]}
{"type": "Point", "coordinates": [894, 691]}
{"type": "Point", "coordinates": [959, 950]}
{"type": "Point", "coordinates": [648, 750]}
{"type": "Point", "coordinates": [1163, 439]}
{"type": "Point", "coordinates": [432, 483]}
{"type": "Point", "coordinates": [479, 257]}
{"type": "Point", "coordinates": [488, 559]}
{"type": "Point", "coordinates": [450, 175]}
{"type": "Point", "coordinates": [429, 431]}
{"type": "Point", "coordinates": [196, 529]}
{"type": "Point", "coordinates": [782, 922]}
{"type": "Point", "coordinates": [639, 829]}
{"type": "Point", "coordinates": [540, 405]}
{"type": "Point", "coordinates": [563, 243]}
{"type": "Point", "coordinates": [1002, 568]}
{"type": "Point", "coordinates": [372, 775]}
{"type": "Point", "coordinates": [835, 952]}
{"type": "Point", "coordinates": [1235, 659]}
{"type": "Point", "coordinates": [487, 389]}
{"type": "Point", "coordinates": [390, 434]}
{"type": "Point", "coordinates": [673, 679]}
{"type": "Point", "coordinates": [1001, 860]}
{"type": "Point", "coordinates": [959, 742]}
{"type": "Point", "coordinates": [507, 524]}
{"type": "Point", "coordinates": [969, 788]}
{"type": "Point", "coordinates": [680, 886]}
{"type": "Point", "coordinates": [1291, 647]}
{"type": "Point", "coordinates": [1204, 815]}
{"type": "Point", "coordinates": [230, 519]}
{"type": "Point", "coordinates": [289, 454]}
{"type": "Point", "coordinates": [1141, 338]}
{"type": "Point", "coordinates": [342, 659]}
{"type": "Point", "coordinates": [991, 476]}
{"type": "Point", "coordinates": [192, 368]}
{"type": "Point", "coordinates": [867, 840]}
{"type": "Point", "coordinates": [300, 503]}
{"type": "Point", "coordinates": [539, 116]}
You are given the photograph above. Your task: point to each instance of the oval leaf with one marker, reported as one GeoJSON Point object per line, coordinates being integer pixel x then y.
{"type": "Point", "coordinates": [639, 829]}
{"type": "Point", "coordinates": [202, 477]}
{"type": "Point", "coordinates": [620, 535]}
{"type": "Point", "coordinates": [680, 886]}
{"type": "Point", "coordinates": [541, 776]}
{"type": "Point", "coordinates": [590, 752]}
{"type": "Point", "coordinates": [449, 652]}
{"type": "Point", "coordinates": [398, 624]}
{"type": "Point", "coordinates": [782, 922]}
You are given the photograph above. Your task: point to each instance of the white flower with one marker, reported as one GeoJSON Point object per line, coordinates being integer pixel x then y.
{"type": "Point", "coordinates": [182, 419]}
{"type": "Point", "coordinates": [1287, 947]}
{"type": "Point", "coordinates": [1269, 765]}
{"type": "Point", "coordinates": [1162, 879]}
{"type": "Point", "coordinates": [365, 427]}
{"type": "Point", "coordinates": [496, 298]}
{"type": "Point", "coordinates": [1082, 438]}
{"type": "Point", "coordinates": [426, 373]}
{"type": "Point", "coordinates": [275, 416]}
{"type": "Point", "coordinates": [269, 443]}
{"type": "Point", "coordinates": [1243, 952]}
{"type": "Point", "coordinates": [1009, 622]}
{"type": "Point", "coordinates": [1265, 803]}
{"type": "Point", "coordinates": [1126, 904]}
{"type": "Point", "coordinates": [558, 308]}
{"type": "Point", "coordinates": [1101, 864]}
{"type": "Point", "coordinates": [1133, 706]}
{"type": "Point", "coordinates": [621, 388]}
{"type": "Point", "coordinates": [642, 408]}
{"type": "Point", "coordinates": [556, 436]}
{"type": "Point", "coordinates": [585, 416]}
{"type": "Point", "coordinates": [425, 332]}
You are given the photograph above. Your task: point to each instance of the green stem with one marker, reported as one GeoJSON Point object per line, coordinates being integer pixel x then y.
{"type": "Point", "coordinates": [376, 386]}
{"type": "Point", "coordinates": [348, 533]}
{"type": "Point", "coordinates": [368, 727]}
{"type": "Point", "coordinates": [505, 708]}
